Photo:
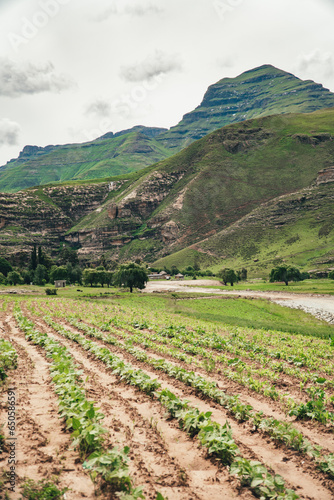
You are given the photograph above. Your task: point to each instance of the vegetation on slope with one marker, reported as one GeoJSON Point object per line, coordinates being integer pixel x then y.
{"type": "Point", "coordinates": [296, 229]}
{"type": "Point", "coordinates": [218, 180]}
{"type": "Point", "coordinates": [259, 92]}
{"type": "Point", "coordinates": [104, 157]}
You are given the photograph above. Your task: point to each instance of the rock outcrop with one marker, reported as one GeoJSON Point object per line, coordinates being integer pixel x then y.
{"type": "Point", "coordinates": [326, 175]}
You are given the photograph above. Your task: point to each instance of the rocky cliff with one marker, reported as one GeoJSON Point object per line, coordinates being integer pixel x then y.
{"type": "Point", "coordinates": [197, 193]}
{"type": "Point", "coordinates": [43, 215]}
{"type": "Point", "coordinates": [209, 186]}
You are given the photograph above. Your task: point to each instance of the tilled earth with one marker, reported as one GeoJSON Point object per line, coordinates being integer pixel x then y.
{"type": "Point", "coordinates": [162, 458]}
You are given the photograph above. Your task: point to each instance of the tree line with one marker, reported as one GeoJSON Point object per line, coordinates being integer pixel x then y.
{"type": "Point", "coordinates": [42, 269]}
{"type": "Point", "coordinates": [277, 274]}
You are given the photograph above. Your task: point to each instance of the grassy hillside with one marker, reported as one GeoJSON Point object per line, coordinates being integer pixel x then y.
{"type": "Point", "coordinates": [104, 157]}
{"type": "Point", "coordinates": [259, 92]}
{"type": "Point", "coordinates": [215, 182]}
{"type": "Point", "coordinates": [296, 229]}
{"type": "Point", "coordinates": [205, 192]}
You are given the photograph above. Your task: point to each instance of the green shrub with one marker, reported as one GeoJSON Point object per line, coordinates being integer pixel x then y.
{"type": "Point", "coordinates": [42, 490]}
{"type": "Point", "coordinates": [51, 291]}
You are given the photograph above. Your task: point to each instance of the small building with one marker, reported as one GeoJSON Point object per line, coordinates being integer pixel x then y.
{"type": "Point", "coordinates": [179, 276]}
{"type": "Point", "coordinates": [60, 283]}
{"type": "Point", "coordinates": [155, 276]}
{"type": "Point", "coordinates": [161, 276]}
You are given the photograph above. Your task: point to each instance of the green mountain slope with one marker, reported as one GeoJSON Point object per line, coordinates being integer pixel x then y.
{"type": "Point", "coordinates": [259, 92]}
{"type": "Point", "coordinates": [296, 229]}
{"type": "Point", "coordinates": [219, 189]}
{"type": "Point", "coordinates": [107, 156]}
{"type": "Point", "coordinates": [210, 185]}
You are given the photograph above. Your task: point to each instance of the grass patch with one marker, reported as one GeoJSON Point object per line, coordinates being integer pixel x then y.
{"type": "Point", "coordinates": [258, 314]}
{"type": "Point", "coordinates": [314, 286]}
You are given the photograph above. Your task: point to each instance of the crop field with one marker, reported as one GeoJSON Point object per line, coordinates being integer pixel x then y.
{"type": "Point", "coordinates": [136, 398]}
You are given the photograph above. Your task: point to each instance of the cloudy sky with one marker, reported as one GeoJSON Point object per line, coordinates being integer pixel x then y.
{"type": "Point", "coordinates": [71, 70]}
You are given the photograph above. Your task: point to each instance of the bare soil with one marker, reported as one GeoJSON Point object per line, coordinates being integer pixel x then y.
{"type": "Point", "coordinates": [162, 458]}
{"type": "Point", "coordinates": [300, 475]}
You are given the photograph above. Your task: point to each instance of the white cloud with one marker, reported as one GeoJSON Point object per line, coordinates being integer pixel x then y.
{"type": "Point", "coordinates": [226, 61]}
{"type": "Point", "coordinates": [315, 62]}
{"type": "Point", "coordinates": [132, 10]}
{"type": "Point", "coordinates": [142, 10]}
{"type": "Point", "coordinates": [9, 132]}
{"type": "Point", "coordinates": [99, 107]}
{"type": "Point", "coordinates": [106, 14]}
{"type": "Point", "coordinates": [156, 64]}
{"type": "Point", "coordinates": [17, 79]}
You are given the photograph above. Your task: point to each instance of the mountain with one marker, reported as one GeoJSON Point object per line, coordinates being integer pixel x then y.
{"type": "Point", "coordinates": [109, 155]}
{"type": "Point", "coordinates": [296, 229]}
{"type": "Point", "coordinates": [259, 92]}
{"type": "Point", "coordinates": [209, 186]}
{"type": "Point", "coordinates": [165, 211]}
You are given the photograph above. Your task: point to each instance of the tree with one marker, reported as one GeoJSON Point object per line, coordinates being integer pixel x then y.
{"type": "Point", "coordinates": [40, 275]}
{"type": "Point", "coordinates": [58, 273]}
{"type": "Point", "coordinates": [109, 278]}
{"type": "Point", "coordinates": [28, 276]}
{"type": "Point", "coordinates": [131, 276]}
{"type": "Point", "coordinates": [331, 275]}
{"type": "Point", "coordinates": [174, 270]}
{"type": "Point", "coordinates": [3, 279]}
{"type": "Point", "coordinates": [40, 256]}
{"type": "Point", "coordinates": [33, 258]}
{"type": "Point", "coordinates": [100, 276]}
{"type": "Point", "coordinates": [227, 275]}
{"type": "Point", "coordinates": [89, 276]}
{"type": "Point", "coordinates": [188, 271]}
{"type": "Point", "coordinates": [77, 275]}
{"type": "Point", "coordinates": [68, 254]}
{"type": "Point", "coordinates": [243, 274]}
{"type": "Point", "coordinates": [5, 266]}
{"type": "Point", "coordinates": [14, 278]}
{"type": "Point", "coordinates": [284, 273]}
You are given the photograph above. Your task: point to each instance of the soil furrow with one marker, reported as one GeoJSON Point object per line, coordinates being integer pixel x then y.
{"type": "Point", "coordinates": [313, 430]}
{"type": "Point", "coordinates": [288, 464]}
{"type": "Point", "coordinates": [43, 448]}
{"type": "Point", "coordinates": [161, 454]}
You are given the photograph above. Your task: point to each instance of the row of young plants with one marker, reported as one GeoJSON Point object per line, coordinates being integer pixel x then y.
{"type": "Point", "coordinates": [315, 408]}
{"type": "Point", "coordinates": [242, 372]}
{"type": "Point", "coordinates": [237, 346]}
{"type": "Point", "coordinates": [219, 442]}
{"type": "Point", "coordinates": [316, 346]}
{"type": "Point", "coordinates": [237, 369]}
{"type": "Point", "coordinates": [318, 402]}
{"type": "Point", "coordinates": [215, 438]}
{"type": "Point", "coordinates": [8, 359]}
{"type": "Point", "coordinates": [279, 431]}
{"type": "Point", "coordinates": [252, 343]}
{"type": "Point", "coordinates": [82, 416]}
{"type": "Point", "coordinates": [237, 343]}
